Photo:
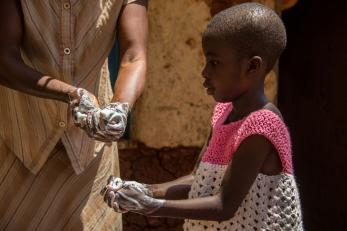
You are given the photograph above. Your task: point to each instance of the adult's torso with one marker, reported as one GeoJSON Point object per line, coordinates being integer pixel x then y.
{"type": "Point", "coordinates": [70, 41]}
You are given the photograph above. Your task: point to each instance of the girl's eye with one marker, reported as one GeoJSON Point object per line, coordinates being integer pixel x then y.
{"type": "Point", "coordinates": [214, 62]}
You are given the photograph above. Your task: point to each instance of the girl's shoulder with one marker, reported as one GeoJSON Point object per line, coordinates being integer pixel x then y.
{"type": "Point", "coordinates": [272, 108]}
{"type": "Point", "coordinates": [268, 122]}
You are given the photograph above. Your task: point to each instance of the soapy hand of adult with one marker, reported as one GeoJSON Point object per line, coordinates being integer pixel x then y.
{"type": "Point", "coordinates": [104, 124]}
{"type": "Point", "coordinates": [85, 103]}
{"type": "Point", "coordinates": [113, 120]}
{"type": "Point", "coordinates": [125, 196]}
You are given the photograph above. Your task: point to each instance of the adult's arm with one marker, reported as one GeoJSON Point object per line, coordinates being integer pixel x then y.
{"type": "Point", "coordinates": [14, 73]}
{"type": "Point", "coordinates": [133, 30]}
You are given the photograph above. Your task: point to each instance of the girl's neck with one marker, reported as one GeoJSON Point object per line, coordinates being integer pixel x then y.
{"type": "Point", "coordinates": [246, 104]}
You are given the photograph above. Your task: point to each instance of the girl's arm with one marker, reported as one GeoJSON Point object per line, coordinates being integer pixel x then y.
{"type": "Point", "coordinates": [238, 179]}
{"type": "Point", "coordinates": [173, 190]}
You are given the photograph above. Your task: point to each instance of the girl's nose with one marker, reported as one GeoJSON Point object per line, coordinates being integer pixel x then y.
{"type": "Point", "coordinates": [204, 73]}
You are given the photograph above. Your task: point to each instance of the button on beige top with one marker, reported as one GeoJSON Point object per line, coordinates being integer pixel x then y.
{"type": "Point", "coordinates": [67, 5]}
{"type": "Point", "coordinates": [86, 34]}
{"type": "Point", "coordinates": [67, 51]}
{"type": "Point", "coordinates": [62, 124]}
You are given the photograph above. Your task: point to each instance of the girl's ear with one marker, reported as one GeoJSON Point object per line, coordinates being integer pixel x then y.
{"type": "Point", "coordinates": [254, 64]}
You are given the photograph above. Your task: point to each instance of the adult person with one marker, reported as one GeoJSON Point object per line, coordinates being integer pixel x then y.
{"type": "Point", "coordinates": [54, 76]}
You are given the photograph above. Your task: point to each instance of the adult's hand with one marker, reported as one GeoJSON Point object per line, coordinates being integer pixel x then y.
{"type": "Point", "coordinates": [105, 124]}
{"type": "Point", "coordinates": [113, 120]}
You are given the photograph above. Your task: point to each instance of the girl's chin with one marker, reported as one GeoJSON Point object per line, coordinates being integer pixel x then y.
{"type": "Point", "coordinates": [216, 97]}
{"type": "Point", "coordinates": [221, 99]}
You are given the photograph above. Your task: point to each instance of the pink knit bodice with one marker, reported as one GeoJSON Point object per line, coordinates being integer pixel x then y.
{"type": "Point", "coordinates": [226, 138]}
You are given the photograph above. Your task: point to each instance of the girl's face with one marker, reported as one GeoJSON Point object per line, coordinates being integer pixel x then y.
{"type": "Point", "coordinates": [225, 74]}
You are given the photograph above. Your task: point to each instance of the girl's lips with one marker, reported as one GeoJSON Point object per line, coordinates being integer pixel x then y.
{"type": "Point", "coordinates": [210, 91]}
{"type": "Point", "coordinates": [206, 85]}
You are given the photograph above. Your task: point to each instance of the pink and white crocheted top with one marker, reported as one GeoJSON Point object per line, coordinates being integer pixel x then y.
{"type": "Point", "coordinates": [273, 201]}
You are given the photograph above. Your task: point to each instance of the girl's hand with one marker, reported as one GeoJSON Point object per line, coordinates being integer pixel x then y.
{"type": "Point", "coordinates": [116, 183]}
{"type": "Point", "coordinates": [125, 196]}
{"type": "Point", "coordinates": [109, 192]}
{"type": "Point", "coordinates": [134, 199]}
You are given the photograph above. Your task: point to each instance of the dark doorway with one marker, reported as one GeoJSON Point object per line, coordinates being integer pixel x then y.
{"type": "Point", "coordinates": [313, 99]}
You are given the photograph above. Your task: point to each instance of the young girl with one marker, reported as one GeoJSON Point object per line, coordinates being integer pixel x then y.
{"type": "Point", "coordinates": [244, 177]}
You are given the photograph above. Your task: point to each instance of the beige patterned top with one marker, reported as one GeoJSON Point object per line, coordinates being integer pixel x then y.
{"type": "Point", "coordinates": [69, 40]}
